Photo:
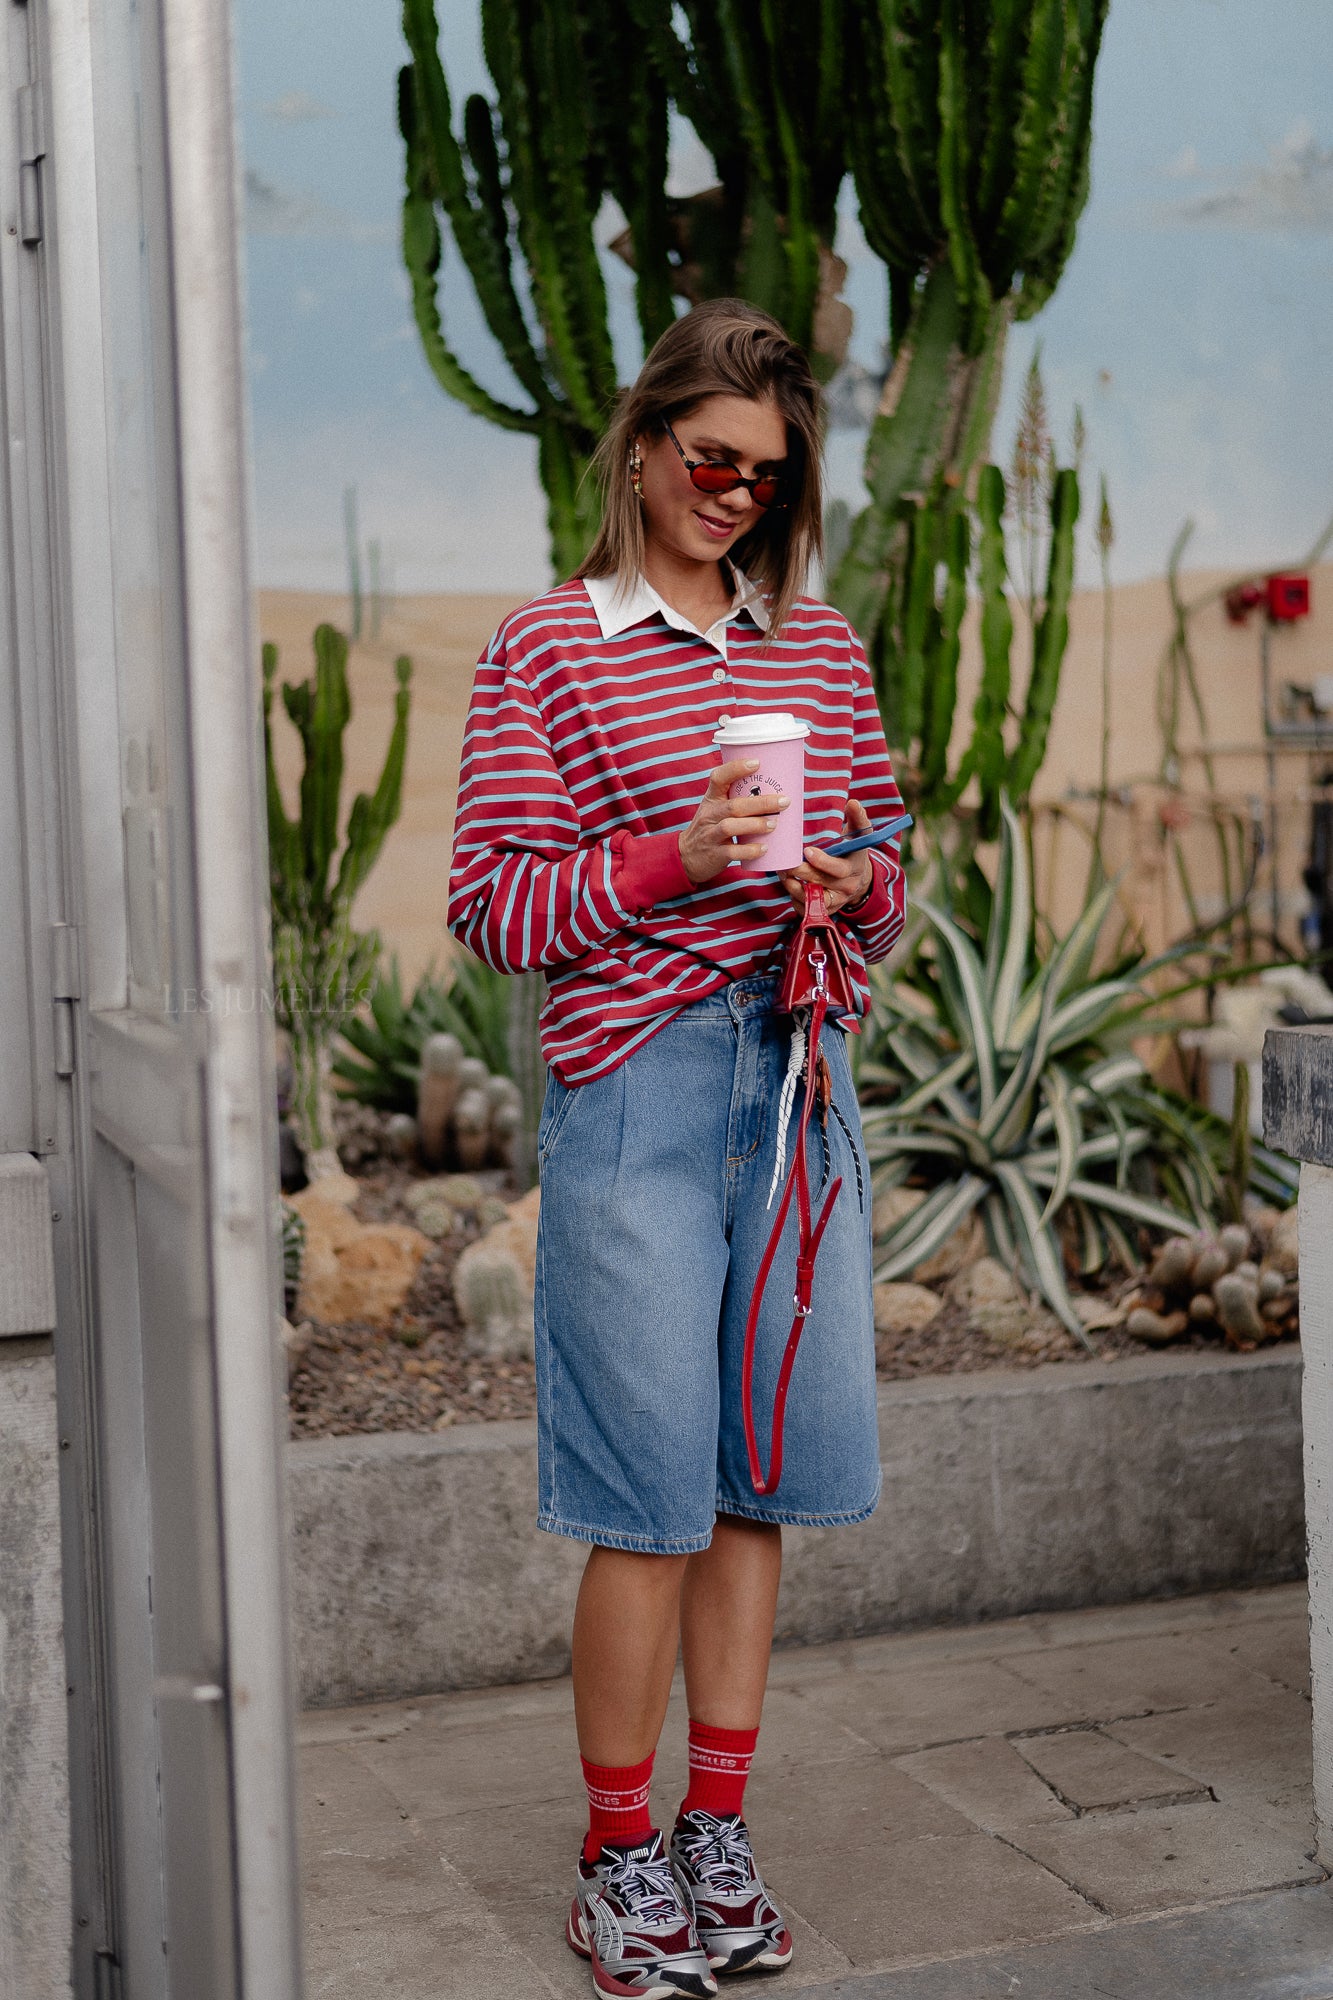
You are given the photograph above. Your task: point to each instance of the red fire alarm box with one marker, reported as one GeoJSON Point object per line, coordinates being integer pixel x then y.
{"type": "Point", "coordinates": [1288, 598]}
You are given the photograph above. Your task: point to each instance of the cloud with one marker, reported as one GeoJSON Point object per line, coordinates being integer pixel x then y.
{"type": "Point", "coordinates": [297, 107]}
{"type": "Point", "coordinates": [274, 211]}
{"type": "Point", "coordinates": [1185, 166]}
{"type": "Point", "coordinates": [1292, 189]}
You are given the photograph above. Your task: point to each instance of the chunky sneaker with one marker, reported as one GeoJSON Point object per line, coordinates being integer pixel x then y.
{"type": "Point", "coordinates": [739, 1925]}
{"type": "Point", "coordinates": [628, 1918]}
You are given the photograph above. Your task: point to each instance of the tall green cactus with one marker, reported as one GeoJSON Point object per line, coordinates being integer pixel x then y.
{"type": "Point", "coordinates": [968, 136]}
{"type": "Point", "coordinates": [323, 969]}
{"type": "Point", "coordinates": [582, 90]}
{"type": "Point", "coordinates": [918, 678]}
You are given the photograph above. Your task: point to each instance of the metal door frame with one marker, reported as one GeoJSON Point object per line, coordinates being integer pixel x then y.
{"type": "Point", "coordinates": [103, 1070]}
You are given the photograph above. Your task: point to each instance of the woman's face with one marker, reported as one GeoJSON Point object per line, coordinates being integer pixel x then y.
{"type": "Point", "coordinates": [700, 527]}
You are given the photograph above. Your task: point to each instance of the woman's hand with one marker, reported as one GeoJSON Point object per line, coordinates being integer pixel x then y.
{"type": "Point", "coordinates": [706, 846]}
{"type": "Point", "coordinates": [844, 878]}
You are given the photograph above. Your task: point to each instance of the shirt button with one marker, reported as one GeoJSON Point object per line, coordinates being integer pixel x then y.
{"type": "Point", "coordinates": [719, 673]}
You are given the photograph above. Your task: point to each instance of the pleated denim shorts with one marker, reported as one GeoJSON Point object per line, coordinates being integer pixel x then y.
{"type": "Point", "coordinates": [655, 1180]}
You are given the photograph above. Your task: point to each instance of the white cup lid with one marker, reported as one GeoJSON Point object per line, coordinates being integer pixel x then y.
{"type": "Point", "coordinates": [781, 727]}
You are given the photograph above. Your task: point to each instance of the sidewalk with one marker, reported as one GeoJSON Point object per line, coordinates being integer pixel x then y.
{"type": "Point", "coordinates": [1025, 1801]}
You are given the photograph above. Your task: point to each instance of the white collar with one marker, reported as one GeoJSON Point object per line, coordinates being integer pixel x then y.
{"type": "Point", "coordinates": [618, 609]}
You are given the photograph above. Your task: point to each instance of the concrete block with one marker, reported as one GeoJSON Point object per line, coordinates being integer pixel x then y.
{"type": "Point", "coordinates": [1097, 1774]}
{"type": "Point", "coordinates": [988, 1782]}
{"type": "Point", "coordinates": [1164, 1859]}
{"type": "Point", "coordinates": [27, 1272]}
{"type": "Point", "coordinates": [416, 1564]}
{"type": "Point", "coordinates": [1316, 1236]}
{"type": "Point", "coordinates": [35, 1919]}
{"type": "Point", "coordinates": [1298, 1093]}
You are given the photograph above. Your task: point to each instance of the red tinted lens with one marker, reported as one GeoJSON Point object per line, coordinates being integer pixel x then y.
{"type": "Point", "coordinates": [715, 478]}
{"type": "Point", "coordinates": [767, 492]}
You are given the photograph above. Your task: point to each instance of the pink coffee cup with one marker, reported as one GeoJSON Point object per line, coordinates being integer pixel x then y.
{"type": "Point", "coordinates": [778, 741]}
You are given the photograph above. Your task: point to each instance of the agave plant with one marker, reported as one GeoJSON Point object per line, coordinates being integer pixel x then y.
{"type": "Point", "coordinates": [1006, 1083]}
{"type": "Point", "coordinates": [382, 1061]}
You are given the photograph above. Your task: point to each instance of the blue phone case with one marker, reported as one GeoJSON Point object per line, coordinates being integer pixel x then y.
{"type": "Point", "coordinates": [876, 837]}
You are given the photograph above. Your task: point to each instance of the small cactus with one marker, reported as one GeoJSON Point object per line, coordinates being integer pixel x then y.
{"type": "Point", "coordinates": [1231, 1281]}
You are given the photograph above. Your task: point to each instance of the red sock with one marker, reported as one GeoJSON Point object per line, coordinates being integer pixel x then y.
{"type": "Point", "coordinates": [617, 1803]}
{"type": "Point", "coordinates": [719, 1766]}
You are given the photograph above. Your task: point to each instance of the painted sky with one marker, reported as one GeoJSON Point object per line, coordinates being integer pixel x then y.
{"type": "Point", "coordinates": [1194, 322]}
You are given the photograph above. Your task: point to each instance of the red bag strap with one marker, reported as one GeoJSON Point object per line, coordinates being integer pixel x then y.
{"type": "Point", "coordinates": [806, 972]}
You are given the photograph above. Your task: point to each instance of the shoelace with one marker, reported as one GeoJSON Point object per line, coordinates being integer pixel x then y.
{"type": "Point", "coordinates": [646, 1887]}
{"type": "Point", "coordinates": [720, 1854]}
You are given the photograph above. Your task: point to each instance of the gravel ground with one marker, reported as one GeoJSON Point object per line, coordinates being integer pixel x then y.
{"type": "Point", "coordinates": [414, 1375]}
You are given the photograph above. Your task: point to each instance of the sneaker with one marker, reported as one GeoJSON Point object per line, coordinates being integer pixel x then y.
{"type": "Point", "coordinates": [739, 1925]}
{"type": "Point", "coordinates": [628, 1918]}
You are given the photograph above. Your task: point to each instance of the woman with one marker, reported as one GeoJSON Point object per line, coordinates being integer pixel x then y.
{"type": "Point", "coordinates": [596, 840]}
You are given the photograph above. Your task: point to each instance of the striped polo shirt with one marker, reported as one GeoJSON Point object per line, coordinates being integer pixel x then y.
{"type": "Point", "coordinates": [587, 750]}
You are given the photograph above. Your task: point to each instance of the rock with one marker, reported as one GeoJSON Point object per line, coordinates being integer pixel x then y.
{"type": "Point", "coordinates": [371, 1274]}
{"type": "Point", "coordinates": [904, 1308]}
{"type": "Point", "coordinates": [437, 1093]}
{"type": "Point", "coordinates": [528, 1206]}
{"type": "Point", "coordinates": [1238, 1309]}
{"type": "Point", "coordinates": [328, 1220]}
{"type": "Point", "coordinates": [1158, 1328]}
{"type": "Point", "coordinates": [967, 1243]}
{"type": "Point", "coordinates": [985, 1283]}
{"type": "Point", "coordinates": [1172, 1265]}
{"type": "Point", "coordinates": [1283, 1246]}
{"type": "Point", "coordinates": [892, 1204]}
{"type": "Point", "coordinates": [334, 1190]}
{"type": "Point", "coordinates": [1235, 1240]}
{"type": "Point", "coordinates": [995, 1302]}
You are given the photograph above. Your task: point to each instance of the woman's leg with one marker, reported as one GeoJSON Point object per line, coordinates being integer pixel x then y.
{"type": "Point", "coordinates": [728, 1604]}
{"type": "Point", "coordinates": [626, 1632]}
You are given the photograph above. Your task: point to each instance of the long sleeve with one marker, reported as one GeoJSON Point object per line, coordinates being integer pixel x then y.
{"type": "Point", "coordinates": [525, 889]}
{"type": "Point", "coordinates": [879, 919]}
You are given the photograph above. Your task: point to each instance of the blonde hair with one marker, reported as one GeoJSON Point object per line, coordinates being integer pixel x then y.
{"type": "Point", "coordinates": [724, 347]}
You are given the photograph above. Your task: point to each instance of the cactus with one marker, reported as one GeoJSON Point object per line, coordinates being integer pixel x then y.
{"type": "Point", "coordinates": [968, 141]}
{"type": "Point", "coordinates": [580, 112]}
{"type": "Point", "coordinates": [1235, 1282]}
{"type": "Point", "coordinates": [293, 1254]}
{"type": "Point", "coordinates": [916, 653]}
{"type": "Point", "coordinates": [322, 967]}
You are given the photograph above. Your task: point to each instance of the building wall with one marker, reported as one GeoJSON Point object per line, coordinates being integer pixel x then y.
{"type": "Point", "coordinates": [35, 1916]}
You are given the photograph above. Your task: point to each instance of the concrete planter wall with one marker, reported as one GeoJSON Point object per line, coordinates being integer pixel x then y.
{"type": "Point", "coordinates": [416, 1565]}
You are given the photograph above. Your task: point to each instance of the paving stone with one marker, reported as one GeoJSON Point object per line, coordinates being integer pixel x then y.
{"type": "Point", "coordinates": [1256, 1746]}
{"type": "Point", "coordinates": [928, 1898]}
{"type": "Point", "coordinates": [1160, 1859]}
{"type": "Point", "coordinates": [1119, 1677]}
{"type": "Point", "coordinates": [943, 1703]}
{"type": "Point", "coordinates": [1096, 1774]}
{"type": "Point", "coordinates": [988, 1782]}
{"type": "Point", "coordinates": [337, 1794]}
{"type": "Point", "coordinates": [432, 1956]}
{"type": "Point", "coordinates": [375, 1878]}
{"type": "Point", "coordinates": [860, 1809]}
{"type": "Point", "coordinates": [1273, 1947]}
{"type": "Point", "coordinates": [1278, 1649]}
{"type": "Point", "coordinates": [452, 1771]}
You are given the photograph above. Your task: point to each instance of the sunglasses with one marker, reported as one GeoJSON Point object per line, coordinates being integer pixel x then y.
{"type": "Point", "coordinates": [714, 475]}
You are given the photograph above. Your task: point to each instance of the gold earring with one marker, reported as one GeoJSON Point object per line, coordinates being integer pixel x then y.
{"type": "Point", "coordinates": [636, 470]}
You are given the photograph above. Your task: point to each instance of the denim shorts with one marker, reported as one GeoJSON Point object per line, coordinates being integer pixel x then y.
{"type": "Point", "coordinates": [653, 1221]}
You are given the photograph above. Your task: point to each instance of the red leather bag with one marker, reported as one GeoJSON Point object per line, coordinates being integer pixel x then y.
{"type": "Point", "coordinates": [816, 976]}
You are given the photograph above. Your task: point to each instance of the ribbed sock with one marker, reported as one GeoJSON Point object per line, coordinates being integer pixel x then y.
{"type": "Point", "coordinates": [617, 1803]}
{"type": "Point", "coordinates": [719, 1766]}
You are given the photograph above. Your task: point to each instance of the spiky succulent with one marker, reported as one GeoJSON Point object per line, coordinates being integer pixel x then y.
{"type": "Point", "coordinates": [1003, 1081]}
